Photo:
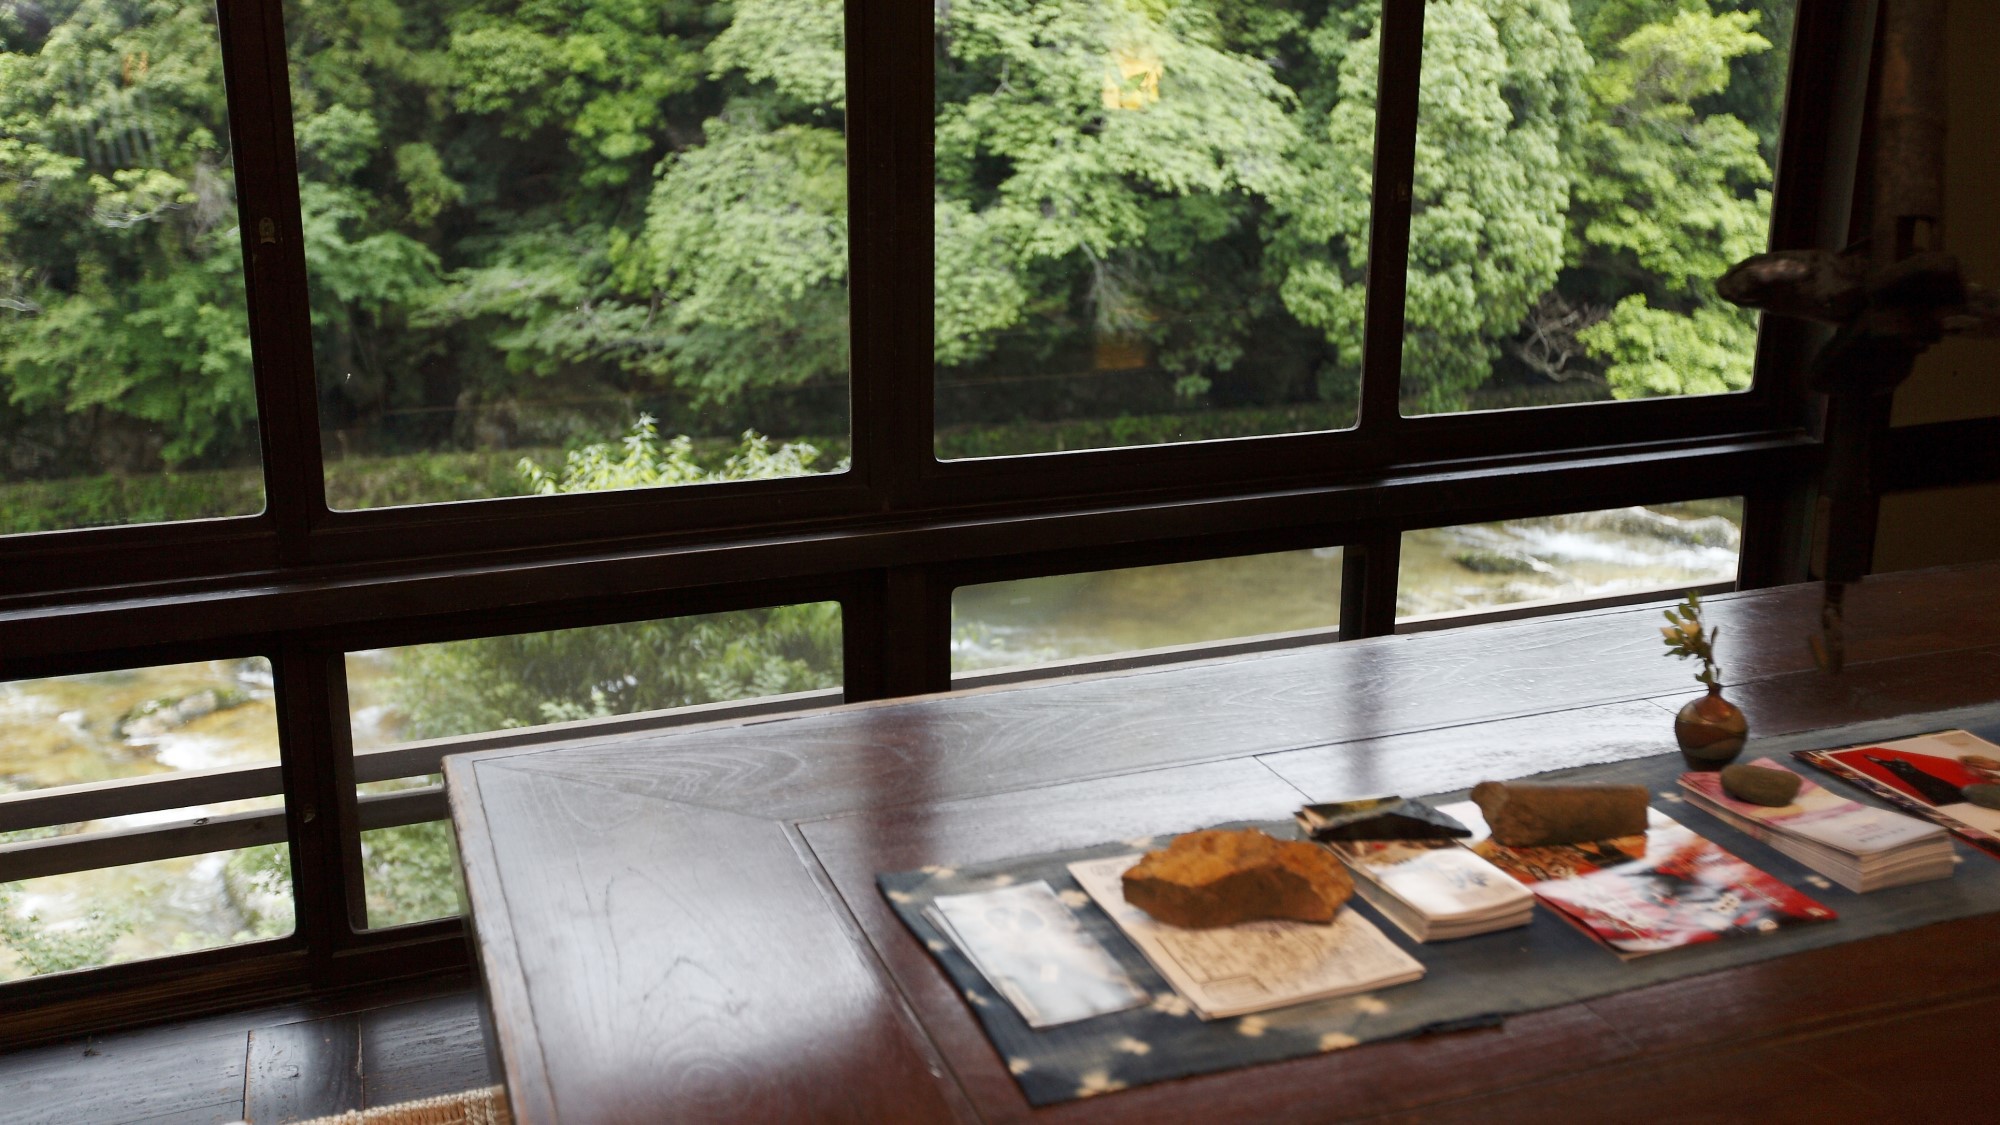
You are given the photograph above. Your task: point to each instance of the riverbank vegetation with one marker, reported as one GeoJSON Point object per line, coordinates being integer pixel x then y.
{"type": "Point", "coordinates": [528, 223]}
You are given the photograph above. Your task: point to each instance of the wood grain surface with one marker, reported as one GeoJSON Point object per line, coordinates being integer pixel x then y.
{"type": "Point", "coordinates": [128, 1077]}
{"type": "Point", "coordinates": [416, 1039]}
{"type": "Point", "coordinates": [679, 956]}
{"type": "Point", "coordinates": [1016, 736]}
{"type": "Point", "coordinates": [421, 1050]}
{"type": "Point", "coordinates": [299, 1071]}
{"type": "Point", "coordinates": [687, 923]}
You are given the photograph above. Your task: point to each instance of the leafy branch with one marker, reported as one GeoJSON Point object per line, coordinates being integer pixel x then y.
{"type": "Point", "coordinates": [1686, 637]}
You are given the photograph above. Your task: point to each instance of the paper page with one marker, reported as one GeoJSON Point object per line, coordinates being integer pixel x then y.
{"type": "Point", "coordinates": [1820, 814]}
{"type": "Point", "coordinates": [1036, 954]}
{"type": "Point", "coordinates": [1255, 965]}
{"type": "Point", "coordinates": [1440, 879]}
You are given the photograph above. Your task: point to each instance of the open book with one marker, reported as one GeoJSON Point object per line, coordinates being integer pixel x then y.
{"type": "Point", "coordinates": [1254, 966]}
{"type": "Point", "coordinates": [1861, 847]}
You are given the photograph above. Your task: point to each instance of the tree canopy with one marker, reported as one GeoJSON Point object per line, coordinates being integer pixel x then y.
{"type": "Point", "coordinates": [645, 203]}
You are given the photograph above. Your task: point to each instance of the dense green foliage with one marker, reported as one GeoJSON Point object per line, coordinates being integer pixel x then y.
{"type": "Point", "coordinates": [493, 683]}
{"type": "Point", "coordinates": [522, 679]}
{"type": "Point", "coordinates": [37, 948]}
{"type": "Point", "coordinates": [410, 874]}
{"type": "Point", "coordinates": [527, 220]}
{"type": "Point", "coordinates": [120, 295]}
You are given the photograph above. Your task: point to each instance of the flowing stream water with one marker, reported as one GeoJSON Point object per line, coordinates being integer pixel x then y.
{"type": "Point", "coordinates": [147, 721]}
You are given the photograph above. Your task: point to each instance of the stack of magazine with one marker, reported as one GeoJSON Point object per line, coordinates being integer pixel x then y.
{"type": "Point", "coordinates": [1860, 847]}
{"type": "Point", "coordinates": [1925, 776]}
{"type": "Point", "coordinates": [1435, 890]}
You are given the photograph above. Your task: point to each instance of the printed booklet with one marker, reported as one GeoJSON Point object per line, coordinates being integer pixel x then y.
{"type": "Point", "coordinates": [1434, 890]}
{"type": "Point", "coordinates": [1861, 847]}
{"type": "Point", "coordinates": [1927, 776]}
{"type": "Point", "coordinates": [1648, 893]}
{"type": "Point", "coordinates": [1033, 951]}
{"type": "Point", "coordinates": [1252, 966]}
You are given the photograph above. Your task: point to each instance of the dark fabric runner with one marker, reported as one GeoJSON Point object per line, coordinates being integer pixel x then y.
{"type": "Point", "coordinates": [1468, 983]}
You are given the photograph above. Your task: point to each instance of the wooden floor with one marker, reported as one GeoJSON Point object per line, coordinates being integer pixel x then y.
{"type": "Point", "coordinates": [264, 1066]}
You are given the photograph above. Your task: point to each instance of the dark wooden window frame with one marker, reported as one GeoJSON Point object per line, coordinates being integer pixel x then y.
{"type": "Point", "coordinates": [890, 539]}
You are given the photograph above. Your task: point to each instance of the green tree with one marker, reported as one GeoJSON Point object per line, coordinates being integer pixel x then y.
{"type": "Point", "coordinates": [1499, 111]}
{"type": "Point", "coordinates": [644, 204]}
{"type": "Point", "coordinates": [411, 874]}
{"type": "Point", "coordinates": [1669, 200]}
{"type": "Point", "coordinates": [121, 287]}
{"type": "Point", "coordinates": [522, 679]}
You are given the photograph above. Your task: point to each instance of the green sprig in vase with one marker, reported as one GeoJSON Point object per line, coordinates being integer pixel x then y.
{"type": "Point", "coordinates": [1711, 730]}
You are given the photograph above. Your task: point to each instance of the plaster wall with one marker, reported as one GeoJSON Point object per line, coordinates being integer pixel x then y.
{"type": "Point", "coordinates": [1959, 379]}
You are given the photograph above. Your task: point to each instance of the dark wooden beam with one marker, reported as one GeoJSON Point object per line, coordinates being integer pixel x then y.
{"type": "Point", "coordinates": [354, 606]}
{"type": "Point", "coordinates": [1939, 455]}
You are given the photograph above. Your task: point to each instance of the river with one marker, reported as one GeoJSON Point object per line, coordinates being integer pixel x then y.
{"type": "Point", "coordinates": [147, 721]}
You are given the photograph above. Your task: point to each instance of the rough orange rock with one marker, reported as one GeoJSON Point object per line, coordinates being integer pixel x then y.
{"type": "Point", "coordinates": [1219, 878]}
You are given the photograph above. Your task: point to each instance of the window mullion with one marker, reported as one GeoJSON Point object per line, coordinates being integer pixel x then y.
{"type": "Point", "coordinates": [253, 56]}
{"type": "Point", "coordinates": [890, 72]}
{"type": "Point", "coordinates": [320, 803]}
{"type": "Point", "coordinates": [1370, 568]}
{"type": "Point", "coordinates": [1389, 218]}
{"type": "Point", "coordinates": [897, 631]}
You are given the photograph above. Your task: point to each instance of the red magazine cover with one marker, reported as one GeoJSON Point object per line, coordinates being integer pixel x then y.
{"type": "Point", "coordinates": [1925, 775]}
{"type": "Point", "coordinates": [1647, 894]}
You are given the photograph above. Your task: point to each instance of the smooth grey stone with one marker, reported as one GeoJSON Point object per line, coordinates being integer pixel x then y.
{"type": "Point", "coordinates": [1760, 785]}
{"type": "Point", "coordinates": [1985, 796]}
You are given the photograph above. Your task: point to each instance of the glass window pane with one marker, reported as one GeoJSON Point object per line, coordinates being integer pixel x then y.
{"type": "Point", "coordinates": [411, 874]}
{"type": "Point", "coordinates": [125, 386]}
{"type": "Point", "coordinates": [1556, 559]}
{"type": "Point", "coordinates": [1151, 221]}
{"type": "Point", "coordinates": [136, 722]}
{"type": "Point", "coordinates": [536, 230]}
{"type": "Point", "coordinates": [1097, 613]}
{"type": "Point", "coordinates": [1585, 172]}
{"type": "Point", "coordinates": [397, 695]}
{"type": "Point", "coordinates": [143, 910]}
{"type": "Point", "coordinates": [139, 722]}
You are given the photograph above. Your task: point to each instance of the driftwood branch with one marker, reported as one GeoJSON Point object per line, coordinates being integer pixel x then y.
{"type": "Point", "coordinates": [1549, 342]}
{"type": "Point", "coordinates": [1816, 285]}
{"type": "Point", "coordinates": [1924, 294]}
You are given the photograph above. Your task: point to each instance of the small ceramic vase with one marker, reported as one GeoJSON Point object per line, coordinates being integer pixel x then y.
{"type": "Point", "coordinates": [1710, 730]}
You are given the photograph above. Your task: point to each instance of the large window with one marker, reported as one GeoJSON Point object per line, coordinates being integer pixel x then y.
{"type": "Point", "coordinates": [1580, 184]}
{"type": "Point", "coordinates": [1062, 617]}
{"type": "Point", "coordinates": [529, 224]}
{"type": "Point", "coordinates": [400, 696]}
{"type": "Point", "coordinates": [1557, 560]}
{"type": "Point", "coordinates": [125, 368]}
{"type": "Point", "coordinates": [380, 382]}
{"type": "Point", "coordinates": [187, 724]}
{"type": "Point", "coordinates": [1131, 223]}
